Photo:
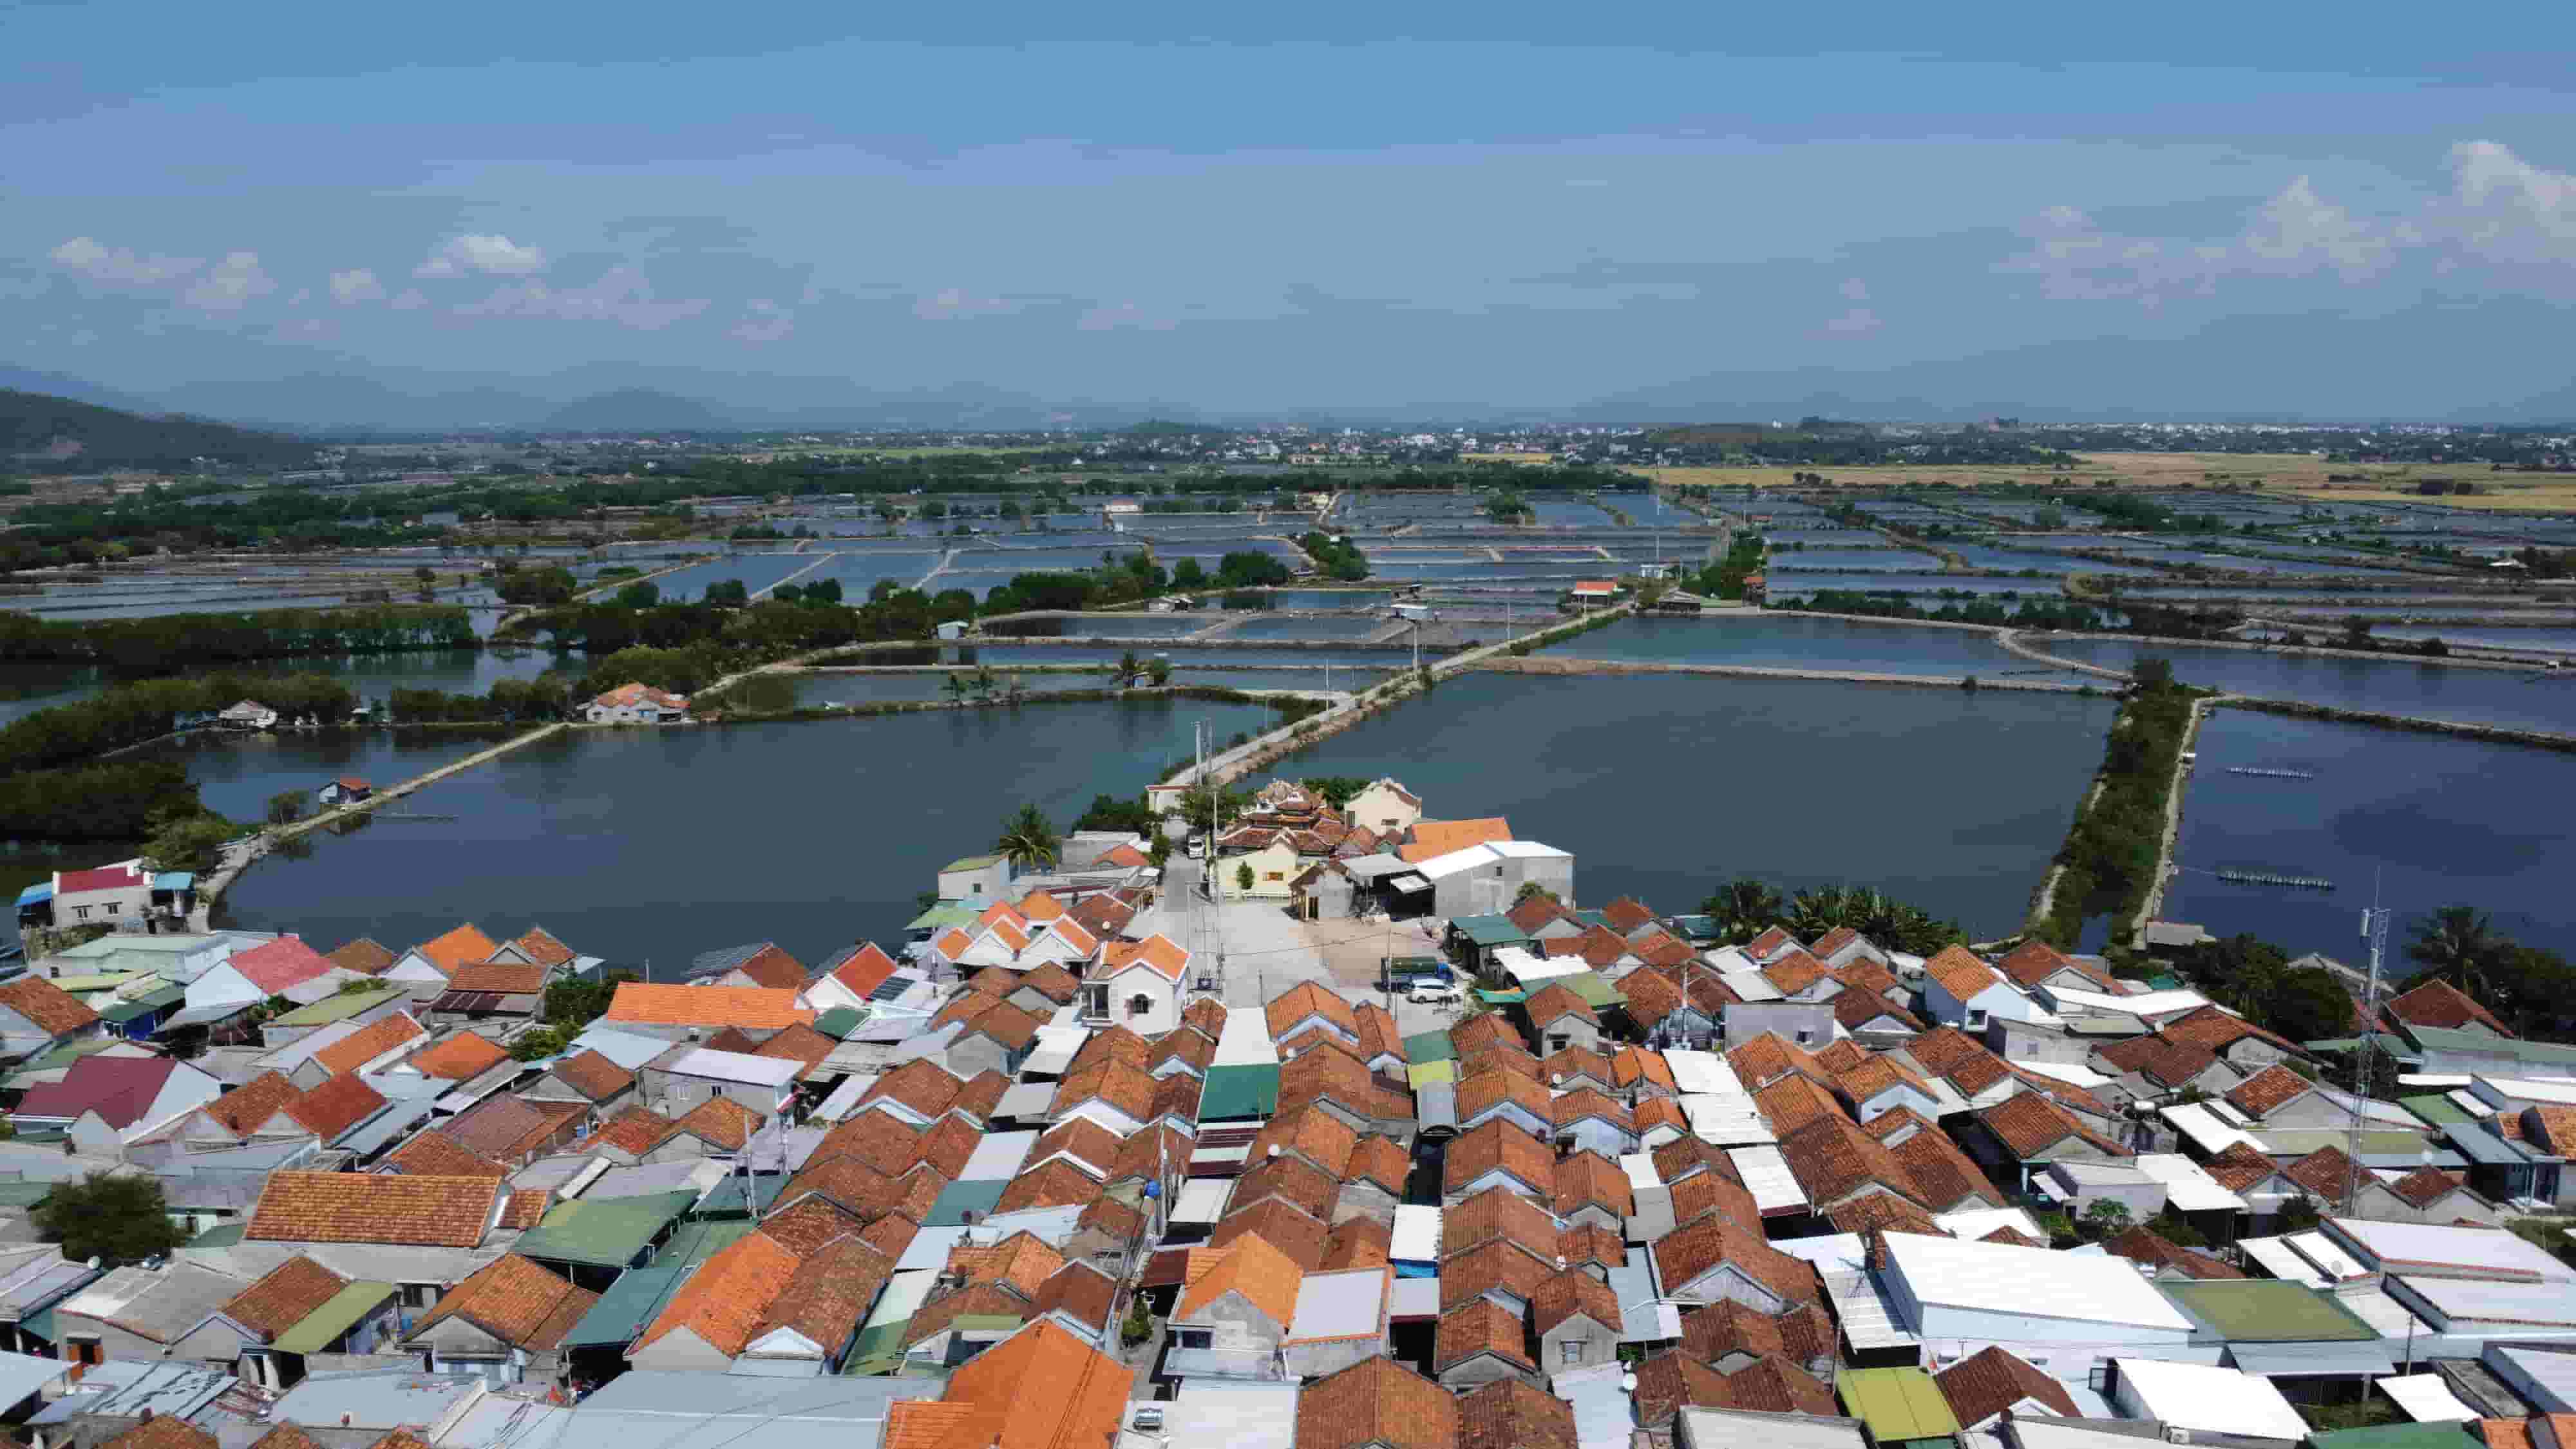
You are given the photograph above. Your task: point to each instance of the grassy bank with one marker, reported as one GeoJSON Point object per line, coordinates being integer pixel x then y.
{"type": "Point", "coordinates": [2109, 859]}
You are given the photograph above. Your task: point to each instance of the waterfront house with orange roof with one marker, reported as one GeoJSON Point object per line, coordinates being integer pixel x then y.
{"type": "Point", "coordinates": [1137, 985]}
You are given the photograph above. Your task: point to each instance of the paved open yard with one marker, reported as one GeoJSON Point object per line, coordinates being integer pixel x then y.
{"type": "Point", "coordinates": [1265, 952]}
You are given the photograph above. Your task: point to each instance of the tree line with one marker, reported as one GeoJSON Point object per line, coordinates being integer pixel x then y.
{"type": "Point", "coordinates": [188, 641]}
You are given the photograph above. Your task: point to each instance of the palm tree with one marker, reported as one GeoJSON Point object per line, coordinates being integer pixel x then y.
{"type": "Point", "coordinates": [1028, 840]}
{"type": "Point", "coordinates": [1743, 908]}
{"type": "Point", "coordinates": [956, 686]}
{"type": "Point", "coordinates": [2457, 945]}
{"type": "Point", "coordinates": [1813, 913]}
{"type": "Point", "coordinates": [1128, 668]}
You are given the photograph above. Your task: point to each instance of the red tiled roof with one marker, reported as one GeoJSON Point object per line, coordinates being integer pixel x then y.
{"type": "Point", "coordinates": [336, 1106]}
{"type": "Point", "coordinates": [435, 1154]}
{"type": "Point", "coordinates": [1475, 1326]}
{"type": "Point", "coordinates": [515, 1300]}
{"type": "Point", "coordinates": [1990, 1381]}
{"type": "Point", "coordinates": [724, 1301]}
{"type": "Point", "coordinates": [2267, 1091]}
{"type": "Point", "coordinates": [369, 1042]}
{"type": "Point", "coordinates": [284, 1297]}
{"type": "Point", "coordinates": [54, 1011]}
{"type": "Point", "coordinates": [1509, 1414]}
{"type": "Point", "coordinates": [459, 1058]}
{"type": "Point", "coordinates": [2141, 1245]}
{"type": "Point", "coordinates": [354, 1207]}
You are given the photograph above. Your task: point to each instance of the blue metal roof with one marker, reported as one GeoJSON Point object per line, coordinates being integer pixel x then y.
{"type": "Point", "coordinates": [175, 880]}
{"type": "Point", "coordinates": [42, 890]}
{"type": "Point", "coordinates": [2483, 1147]}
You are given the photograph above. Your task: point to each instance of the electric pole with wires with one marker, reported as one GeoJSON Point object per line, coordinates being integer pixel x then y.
{"type": "Point", "coordinates": [2374, 929]}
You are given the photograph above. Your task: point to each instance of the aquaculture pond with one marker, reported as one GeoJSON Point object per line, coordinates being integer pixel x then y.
{"type": "Point", "coordinates": [2429, 820]}
{"type": "Point", "coordinates": [2515, 698]}
{"type": "Point", "coordinates": [576, 832]}
{"type": "Point", "coordinates": [1966, 795]}
{"type": "Point", "coordinates": [1791, 641]}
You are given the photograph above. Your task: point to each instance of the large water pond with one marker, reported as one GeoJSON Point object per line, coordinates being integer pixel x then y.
{"type": "Point", "coordinates": [1789, 641]}
{"type": "Point", "coordinates": [2436, 821]}
{"type": "Point", "coordinates": [2519, 699]}
{"type": "Point", "coordinates": [654, 845]}
{"type": "Point", "coordinates": [1966, 795]}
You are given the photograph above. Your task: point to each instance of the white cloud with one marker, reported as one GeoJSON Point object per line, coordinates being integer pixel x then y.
{"type": "Point", "coordinates": [120, 267]}
{"type": "Point", "coordinates": [230, 285]}
{"type": "Point", "coordinates": [621, 295]}
{"type": "Point", "coordinates": [763, 321]}
{"type": "Point", "coordinates": [957, 302]}
{"type": "Point", "coordinates": [1108, 318]}
{"type": "Point", "coordinates": [410, 300]}
{"type": "Point", "coordinates": [2501, 211]}
{"type": "Point", "coordinates": [1855, 290]}
{"type": "Point", "coordinates": [356, 285]}
{"type": "Point", "coordinates": [478, 252]}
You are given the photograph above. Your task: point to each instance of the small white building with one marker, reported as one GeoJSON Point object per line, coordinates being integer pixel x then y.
{"type": "Point", "coordinates": [2071, 1308]}
{"type": "Point", "coordinates": [2204, 1400]}
{"type": "Point", "coordinates": [638, 704]}
{"type": "Point", "coordinates": [248, 714]}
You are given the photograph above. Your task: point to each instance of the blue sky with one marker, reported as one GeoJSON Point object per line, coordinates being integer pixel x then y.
{"type": "Point", "coordinates": [2204, 209]}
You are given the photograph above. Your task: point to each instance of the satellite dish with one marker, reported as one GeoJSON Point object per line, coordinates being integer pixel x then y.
{"type": "Point", "coordinates": [93, 1260]}
{"type": "Point", "coordinates": [1627, 1383]}
{"type": "Point", "coordinates": [1153, 1190]}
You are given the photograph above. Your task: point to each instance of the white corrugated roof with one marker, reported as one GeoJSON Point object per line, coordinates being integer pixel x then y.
{"type": "Point", "coordinates": [1339, 1305]}
{"type": "Point", "coordinates": [1202, 1200]}
{"type": "Point", "coordinates": [1245, 1042]}
{"type": "Point", "coordinates": [1767, 1176]}
{"type": "Point", "coordinates": [2067, 1072]}
{"type": "Point", "coordinates": [1974, 1223]}
{"type": "Point", "coordinates": [2029, 1282]}
{"type": "Point", "coordinates": [997, 1158]}
{"type": "Point", "coordinates": [2328, 1256]}
{"type": "Point", "coordinates": [2153, 1003]}
{"type": "Point", "coordinates": [2556, 1091]}
{"type": "Point", "coordinates": [1417, 1234]}
{"type": "Point", "coordinates": [2469, 1248]}
{"type": "Point", "coordinates": [1527, 850]}
{"type": "Point", "coordinates": [736, 1067]}
{"type": "Point", "coordinates": [1440, 867]}
{"type": "Point", "coordinates": [1830, 1252]}
{"type": "Point", "coordinates": [1869, 1320]}
{"type": "Point", "coordinates": [1640, 1167]}
{"type": "Point", "coordinates": [2276, 1257]}
{"type": "Point", "coordinates": [2187, 1187]}
{"type": "Point", "coordinates": [2426, 1398]}
{"type": "Point", "coordinates": [1702, 1072]}
{"type": "Point", "coordinates": [2197, 1122]}
{"type": "Point", "coordinates": [2214, 1400]}
{"type": "Point", "coordinates": [1727, 1121]}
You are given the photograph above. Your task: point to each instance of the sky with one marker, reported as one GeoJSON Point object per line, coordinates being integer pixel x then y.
{"type": "Point", "coordinates": [2234, 210]}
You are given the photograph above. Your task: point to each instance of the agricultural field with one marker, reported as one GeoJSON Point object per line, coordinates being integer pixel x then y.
{"type": "Point", "coordinates": [2296, 474]}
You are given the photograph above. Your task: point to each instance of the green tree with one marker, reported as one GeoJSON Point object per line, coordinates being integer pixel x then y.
{"type": "Point", "coordinates": [1189, 574]}
{"type": "Point", "coordinates": [2106, 1216]}
{"type": "Point", "coordinates": [1243, 877]}
{"type": "Point", "coordinates": [1028, 840]}
{"type": "Point", "coordinates": [2356, 632]}
{"type": "Point", "coordinates": [194, 842]}
{"type": "Point", "coordinates": [2308, 1004]}
{"type": "Point", "coordinates": [538, 1043]}
{"type": "Point", "coordinates": [1159, 670]}
{"type": "Point", "coordinates": [117, 1219]}
{"type": "Point", "coordinates": [574, 1003]}
{"type": "Point", "coordinates": [639, 595]}
{"type": "Point", "coordinates": [2457, 944]}
{"type": "Point", "coordinates": [1531, 888]}
{"type": "Point", "coordinates": [1743, 909]}
{"type": "Point", "coordinates": [285, 807]}
{"type": "Point", "coordinates": [1129, 666]}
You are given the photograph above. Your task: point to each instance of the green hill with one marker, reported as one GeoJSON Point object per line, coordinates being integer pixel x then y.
{"type": "Point", "coordinates": [57, 435]}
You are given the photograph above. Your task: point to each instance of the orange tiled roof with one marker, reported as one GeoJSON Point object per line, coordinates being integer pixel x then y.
{"type": "Point", "coordinates": [1435, 838]}
{"type": "Point", "coordinates": [365, 955]}
{"type": "Point", "coordinates": [2267, 1091]}
{"type": "Point", "coordinates": [724, 1301]}
{"type": "Point", "coordinates": [1250, 1266]}
{"type": "Point", "coordinates": [436, 1154]}
{"type": "Point", "coordinates": [463, 946]}
{"type": "Point", "coordinates": [1478, 1325]}
{"type": "Point", "coordinates": [367, 1043]}
{"type": "Point", "coordinates": [459, 1058]}
{"type": "Point", "coordinates": [1990, 1381]}
{"type": "Point", "coordinates": [721, 1122]}
{"type": "Point", "coordinates": [284, 1297]}
{"type": "Point", "coordinates": [1084, 1411]}
{"type": "Point", "coordinates": [637, 1130]}
{"type": "Point", "coordinates": [516, 1301]}
{"type": "Point", "coordinates": [1498, 1144]}
{"type": "Point", "coordinates": [1376, 1401]}
{"type": "Point", "coordinates": [1959, 973]}
{"type": "Point", "coordinates": [336, 1106]}
{"type": "Point", "coordinates": [353, 1207]}
{"type": "Point", "coordinates": [753, 1008]}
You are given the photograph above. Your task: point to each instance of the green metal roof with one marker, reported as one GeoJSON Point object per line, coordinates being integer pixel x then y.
{"type": "Point", "coordinates": [942, 916]}
{"type": "Point", "coordinates": [1239, 1091]}
{"type": "Point", "coordinates": [1423, 1074]}
{"type": "Point", "coordinates": [961, 1198]}
{"type": "Point", "coordinates": [2396, 1436]}
{"type": "Point", "coordinates": [338, 1314]}
{"type": "Point", "coordinates": [2435, 1038]}
{"type": "Point", "coordinates": [39, 1324]}
{"type": "Point", "coordinates": [1897, 1404]}
{"type": "Point", "coordinates": [639, 1293]}
{"type": "Point", "coordinates": [608, 1233]}
{"type": "Point", "coordinates": [972, 862]}
{"type": "Point", "coordinates": [1429, 1046]}
{"type": "Point", "coordinates": [336, 1007]}
{"type": "Point", "coordinates": [1595, 918]}
{"type": "Point", "coordinates": [877, 1350]}
{"type": "Point", "coordinates": [1498, 998]}
{"type": "Point", "coordinates": [2269, 1310]}
{"type": "Point", "coordinates": [2437, 1109]}
{"type": "Point", "coordinates": [726, 1197]}
{"type": "Point", "coordinates": [1496, 930]}
{"type": "Point", "coordinates": [144, 1005]}
{"type": "Point", "coordinates": [839, 1022]}
{"type": "Point", "coordinates": [221, 1235]}
{"type": "Point", "coordinates": [1589, 986]}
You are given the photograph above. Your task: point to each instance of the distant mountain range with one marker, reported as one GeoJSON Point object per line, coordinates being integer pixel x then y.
{"type": "Point", "coordinates": [81, 436]}
{"type": "Point", "coordinates": [2267, 371]}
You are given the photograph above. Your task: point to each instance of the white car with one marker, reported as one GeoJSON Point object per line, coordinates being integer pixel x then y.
{"type": "Point", "coordinates": [1428, 991]}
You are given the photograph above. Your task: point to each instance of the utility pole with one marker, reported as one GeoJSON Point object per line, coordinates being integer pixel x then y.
{"type": "Point", "coordinates": [2374, 929]}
